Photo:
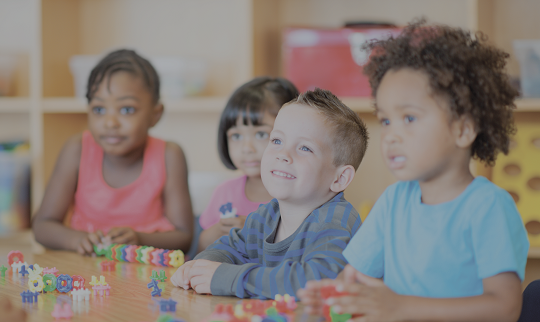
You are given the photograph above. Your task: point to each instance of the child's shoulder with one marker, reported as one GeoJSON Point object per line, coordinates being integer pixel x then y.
{"type": "Point", "coordinates": [335, 212]}
{"type": "Point", "coordinates": [72, 149]}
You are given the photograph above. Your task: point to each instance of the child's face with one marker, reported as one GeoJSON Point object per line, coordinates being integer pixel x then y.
{"type": "Point", "coordinates": [247, 144]}
{"type": "Point", "coordinates": [121, 112]}
{"type": "Point", "coordinates": [417, 138]}
{"type": "Point", "coordinates": [297, 166]}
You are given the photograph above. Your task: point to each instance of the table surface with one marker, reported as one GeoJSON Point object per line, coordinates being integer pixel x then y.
{"type": "Point", "coordinates": [129, 299]}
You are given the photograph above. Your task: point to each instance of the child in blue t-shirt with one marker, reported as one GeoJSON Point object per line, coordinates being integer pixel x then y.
{"type": "Point", "coordinates": [446, 245]}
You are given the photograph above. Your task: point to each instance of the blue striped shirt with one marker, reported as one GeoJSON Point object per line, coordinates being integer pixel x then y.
{"type": "Point", "coordinates": [256, 267]}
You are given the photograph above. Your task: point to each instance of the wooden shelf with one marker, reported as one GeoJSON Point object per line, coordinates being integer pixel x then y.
{"type": "Point", "coordinates": [14, 104]}
{"type": "Point", "coordinates": [534, 252]}
{"type": "Point", "coordinates": [186, 105]}
{"type": "Point", "coordinates": [528, 105]}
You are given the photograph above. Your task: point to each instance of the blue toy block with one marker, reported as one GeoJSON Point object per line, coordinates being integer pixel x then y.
{"type": "Point", "coordinates": [29, 297]}
{"type": "Point", "coordinates": [167, 305]}
{"type": "Point", "coordinates": [23, 270]}
{"type": "Point", "coordinates": [31, 267]}
{"type": "Point", "coordinates": [156, 291]}
{"type": "Point", "coordinates": [153, 283]}
{"type": "Point", "coordinates": [69, 283]}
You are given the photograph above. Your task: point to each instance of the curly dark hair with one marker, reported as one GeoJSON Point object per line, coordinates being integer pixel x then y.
{"type": "Point", "coordinates": [460, 66]}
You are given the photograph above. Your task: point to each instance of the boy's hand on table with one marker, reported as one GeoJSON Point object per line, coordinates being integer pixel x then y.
{"type": "Point", "coordinates": [228, 223]}
{"type": "Point", "coordinates": [199, 275]}
{"type": "Point", "coordinates": [179, 277]}
{"type": "Point", "coordinates": [370, 298]}
{"type": "Point", "coordinates": [310, 295]}
{"type": "Point", "coordinates": [123, 235]}
{"type": "Point", "coordinates": [86, 244]}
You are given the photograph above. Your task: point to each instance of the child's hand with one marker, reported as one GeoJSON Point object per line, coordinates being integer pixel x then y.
{"type": "Point", "coordinates": [370, 298]}
{"type": "Point", "coordinates": [228, 223]}
{"type": "Point", "coordinates": [178, 279]}
{"type": "Point", "coordinates": [198, 275]}
{"type": "Point", "coordinates": [9, 313]}
{"type": "Point", "coordinates": [86, 244]}
{"type": "Point", "coordinates": [310, 295]}
{"type": "Point", "coordinates": [123, 235]}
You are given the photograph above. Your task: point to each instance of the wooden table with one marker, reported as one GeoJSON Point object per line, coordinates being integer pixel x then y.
{"type": "Point", "coordinates": [129, 300]}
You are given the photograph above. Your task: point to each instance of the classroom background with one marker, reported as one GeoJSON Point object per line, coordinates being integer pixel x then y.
{"type": "Point", "coordinates": [205, 49]}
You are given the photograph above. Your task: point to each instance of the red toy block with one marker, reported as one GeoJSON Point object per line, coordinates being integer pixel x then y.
{"type": "Point", "coordinates": [328, 292]}
{"type": "Point", "coordinates": [78, 282]}
{"type": "Point", "coordinates": [15, 256]}
{"type": "Point", "coordinates": [108, 266]}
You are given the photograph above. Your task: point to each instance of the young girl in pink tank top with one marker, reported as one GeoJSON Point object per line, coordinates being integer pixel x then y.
{"type": "Point", "coordinates": [121, 183]}
{"type": "Point", "coordinates": [244, 128]}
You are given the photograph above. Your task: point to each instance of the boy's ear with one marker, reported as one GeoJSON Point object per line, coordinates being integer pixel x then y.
{"type": "Point", "coordinates": [344, 177]}
{"type": "Point", "coordinates": [157, 112]}
{"type": "Point", "coordinates": [465, 131]}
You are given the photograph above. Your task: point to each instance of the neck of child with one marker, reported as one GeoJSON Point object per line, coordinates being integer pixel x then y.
{"type": "Point", "coordinates": [293, 213]}
{"type": "Point", "coordinates": [131, 158]}
{"type": "Point", "coordinates": [255, 190]}
{"type": "Point", "coordinates": [447, 185]}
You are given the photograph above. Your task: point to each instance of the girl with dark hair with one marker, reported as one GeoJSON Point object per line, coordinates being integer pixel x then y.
{"type": "Point", "coordinates": [243, 133]}
{"type": "Point", "coordinates": [122, 183]}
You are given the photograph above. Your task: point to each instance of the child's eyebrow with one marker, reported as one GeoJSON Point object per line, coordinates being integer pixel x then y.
{"type": "Point", "coordinates": [127, 97]}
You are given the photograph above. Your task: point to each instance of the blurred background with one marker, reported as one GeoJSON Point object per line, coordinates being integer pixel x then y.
{"type": "Point", "coordinates": [204, 49]}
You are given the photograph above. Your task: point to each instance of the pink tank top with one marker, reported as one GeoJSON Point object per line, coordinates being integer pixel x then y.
{"type": "Point", "coordinates": [138, 205]}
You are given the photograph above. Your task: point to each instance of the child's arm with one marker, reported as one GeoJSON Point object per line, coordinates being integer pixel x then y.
{"type": "Point", "coordinates": [321, 258]}
{"type": "Point", "coordinates": [501, 301]}
{"type": "Point", "coordinates": [177, 204]}
{"type": "Point", "coordinates": [47, 224]}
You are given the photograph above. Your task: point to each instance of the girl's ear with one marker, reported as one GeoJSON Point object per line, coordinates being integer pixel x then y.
{"type": "Point", "coordinates": [344, 177]}
{"type": "Point", "coordinates": [157, 112]}
{"type": "Point", "coordinates": [465, 132]}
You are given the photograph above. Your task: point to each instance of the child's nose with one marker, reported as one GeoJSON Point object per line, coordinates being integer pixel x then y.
{"type": "Point", "coordinates": [247, 146]}
{"type": "Point", "coordinates": [111, 121]}
{"type": "Point", "coordinates": [391, 137]}
{"type": "Point", "coordinates": [284, 156]}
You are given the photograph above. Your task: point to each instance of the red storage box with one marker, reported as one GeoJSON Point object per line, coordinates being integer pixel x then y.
{"type": "Point", "coordinates": [330, 59]}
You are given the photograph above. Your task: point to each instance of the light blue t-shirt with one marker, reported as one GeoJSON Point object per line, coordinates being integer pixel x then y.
{"type": "Point", "coordinates": [442, 250]}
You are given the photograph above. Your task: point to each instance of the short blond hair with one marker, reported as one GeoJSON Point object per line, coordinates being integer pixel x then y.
{"type": "Point", "coordinates": [349, 133]}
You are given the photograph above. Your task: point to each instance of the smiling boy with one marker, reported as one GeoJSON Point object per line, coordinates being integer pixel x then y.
{"type": "Point", "coordinates": [315, 148]}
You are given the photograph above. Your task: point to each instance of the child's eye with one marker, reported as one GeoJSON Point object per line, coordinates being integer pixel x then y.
{"type": "Point", "coordinates": [235, 137]}
{"type": "Point", "coordinates": [409, 119]}
{"type": "Point", "coordinates": [305, 148]}
{"type": "Point", "coordinates": [98, 110]}
{"type": "Point", "coordinates": [384, 122]}
{"type": "Point", "coordinates": [276, 141]}
{"type": "Point", "coordinates": [127, 110]}
{"type": "Point", "coordinates": [261, 135]}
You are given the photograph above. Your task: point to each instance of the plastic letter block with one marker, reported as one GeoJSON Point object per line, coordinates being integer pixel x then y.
{"type": "Point", "coordinates": [49, 282]}
{"type": "Point", "coordinates": [156, 291]}
{"type": "Point", "coordinates": [35, 283]}
{"type": "Point", "coordinates": [145, 254]}
{"type": "Point", "coordinates": [177, 258]}
{"type": "Point", "coordinates": [119, 253]}
{"type": "Point", "coordinates": [15, 256]}
{"type": "Point", "coordinates": [29, 297]}
{"type": "Point", "coordinates": [140, 254]}
{"type": "Point", "coordinates": [94, 281]}
{"type": "Point", "coordinates": [164, 258]}
{"type": "Point", "coordinates": [81, 294]}
{"type": "Point", "coordinates": [153, 283]}
{"type": "Point", "coordinates": [101, 290]}
{"type": "Point", "coordinates": [167, 305]}
{"type": "Point", "coordinates": [3, 270]}
{"type": "Point", "coordinates": [131, 253]}
{"type": "Point", "coordinates": [108, 266]}
{"type": "Point", "coordinates": [114, 249]}
{"type": "Point", "coordinates": [24, 270]}
{"type": "Point", "coordinates": [53, 270]}
{"type": "Point", "coordinates": [37, 269]}
{"type": "Point", "coordinates": [64, 283]}
{"type": "Point", "coordinates": [78, 282]}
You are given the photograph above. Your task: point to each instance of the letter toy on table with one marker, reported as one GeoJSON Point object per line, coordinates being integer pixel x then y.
{"type": "Point", "coordinates": [53, 271]}
{"type": "Point", "coordinates": [177, 258]}
{"type": "Point", "coordinates": [101, 289]}
{"type": "Point", "coordinates": [29, 297]}
{"type": "Point", "coordinates": [62, 311]}
{"type": "Point", "coordinates": [81, 294]}
{"type": "Point", "coordinates": [3, 270]}
{"type": "Point", "coordinates": [17, 266]}
{"type": "Point", "coordinates": [108, 266]}
{"type": "Point", "coordinates": [78, 282]}
{"type": "Point", "coordinates": [64, 283]}
{"type": "Point", "coordinates": [161, 276]}
{"type": "Point", "coordinates": [49, 282]}
{"type": "Point", "coordinates": [167, 305]}
{"type": "Point", "coordinates": [15, 256]}
{"type": "Point", "coordinates": [156, 291]}
{"type": "Point", "coordinates": [35, 283]}
{"type": "Point", "coordinates": [37, 269]}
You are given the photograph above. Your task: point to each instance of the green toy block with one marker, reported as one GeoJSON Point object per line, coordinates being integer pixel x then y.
{"type": "Point", "coordinates": [339, 317]}
{"type": "Point", "coordinates": [161, 276]}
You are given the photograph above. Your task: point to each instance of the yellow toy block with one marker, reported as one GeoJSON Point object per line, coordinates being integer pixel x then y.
{"type": "Point", "coordinates": [177, 258]}
{"type": "Point", "coordinates": [519, 174]}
